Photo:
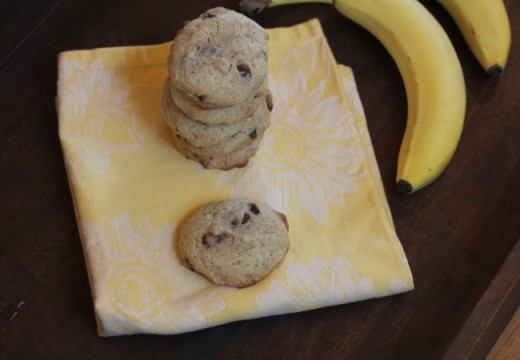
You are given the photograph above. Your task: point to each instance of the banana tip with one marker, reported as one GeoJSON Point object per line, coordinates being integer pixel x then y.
{"type": "Point", "coordinates": [404, 187]}
{"type": "Point", "coordinates": [495, 70]}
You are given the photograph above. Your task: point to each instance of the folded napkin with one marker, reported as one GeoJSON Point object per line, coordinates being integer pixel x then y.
{"type": "Point", "coordinates": [131, 188]}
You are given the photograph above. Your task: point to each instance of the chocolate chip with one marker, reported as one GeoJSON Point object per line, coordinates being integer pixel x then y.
{"type": "Point", "coordinates": [210, 240]}
{"type": "Point", "coordinates": [206, 240]}
{"type": "Point", "coordinates": [269, 102]}
{"type": "Point", "coordinates": [253, 134]}
{"type": "Point", "coordinates": [202, 98]}
{"type": "Point", "coordinates": [245, 218]}
{"type": "Point", "coordinates": [244, 70]}
{"type": "Point", "coordinates": [234, 222]}
{"type": "Point", "coordinates": [254, 209]}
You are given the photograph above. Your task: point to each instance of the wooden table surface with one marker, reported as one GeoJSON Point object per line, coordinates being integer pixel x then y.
{"type": "Point", "coordinates": [459, 233]}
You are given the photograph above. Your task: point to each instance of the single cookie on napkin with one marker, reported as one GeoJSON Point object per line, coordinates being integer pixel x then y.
{"type": "Point", "coordinates": [234, 242]}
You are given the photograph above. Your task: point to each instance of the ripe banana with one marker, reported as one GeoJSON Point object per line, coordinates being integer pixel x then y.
{"type": "Point", "coordinates": [485, 27]}
{"type": "Point", "coordinates": [431, 73]}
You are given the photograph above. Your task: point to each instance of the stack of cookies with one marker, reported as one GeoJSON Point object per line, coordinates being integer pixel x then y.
{"type": "Point", "coordinates": [216, 98]}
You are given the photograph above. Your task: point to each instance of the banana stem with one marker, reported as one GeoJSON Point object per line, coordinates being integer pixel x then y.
{"type": "Point", "coordinates": [255, 6]}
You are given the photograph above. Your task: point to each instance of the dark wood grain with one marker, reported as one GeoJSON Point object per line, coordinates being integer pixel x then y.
{"type": "Point", "coordinates": [495, 308]}
{"type": "Point", "coordinates": [19, 19]}
{"type": "Point", "coordinates": [457, 232]}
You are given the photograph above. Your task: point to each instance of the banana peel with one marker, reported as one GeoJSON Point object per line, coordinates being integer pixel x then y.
{"type": "Point", "coordinates": [432, 75]}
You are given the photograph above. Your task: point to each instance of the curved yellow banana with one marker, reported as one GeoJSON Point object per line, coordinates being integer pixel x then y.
{"type": "Point", "coordinates": [486, 29]}
{"type": "Point", "coordinates": [432, 76]}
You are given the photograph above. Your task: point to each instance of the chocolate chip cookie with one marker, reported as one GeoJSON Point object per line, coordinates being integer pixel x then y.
{"type": "Point", "coordinates": [235, 159]}
{"type": "Point", "coordinates": [253, 130]}
{"type": "Point", "coordinates": [219, 59]}
{"type": "Point", "coordinates": [234, 242]}
{"type": "Point", "coordinates": [223, 115]}
{"type": "Point", "coordinates": [196, 132]}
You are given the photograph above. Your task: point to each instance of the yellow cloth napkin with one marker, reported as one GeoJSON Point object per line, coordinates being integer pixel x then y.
{"type": "Point", "coordinates": [131, 188]}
